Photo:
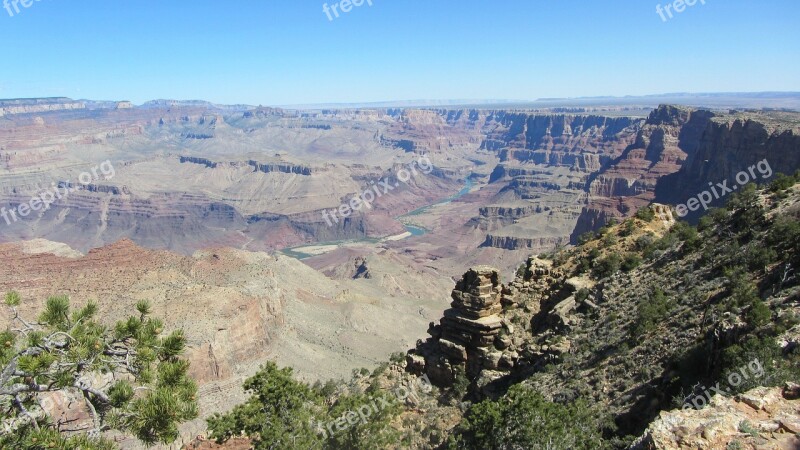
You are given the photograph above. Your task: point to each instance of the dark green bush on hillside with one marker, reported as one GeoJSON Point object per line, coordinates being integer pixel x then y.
{"type": "Point", "coordinates": [650, 313]}
{"type": "Point", "coordinates": [288, 414]}
{"type": "Point", "coordinates": [687, 234]}
{"type": "Point", "coordinates": [748, 213]}
{"type": "Point", "coordinates": [627, 228]}
{"type": "Point", "coordinates": [523, 419]}
{"type": "Point", "coordinates": [782, 182]}
{"type": "Point", "coordinates": [279, 413]}
{"type": "Point", "coordinates": [582, 295]}
{"type": "Point", "coordinates": [631, 262]}
{"type": "Point", "coordinates": [758, 258]}
{"type": "Point", "coordinates": [756, 354]}
{"type": "Point", "coordinates": [646, 214]}
{"type": "Point", "coordinates": [715, 217]}
{"type": "Point", "coordinates": [607, 266]}
{"type": "Point", "coordinates": [587, 237]}
{"type": "Point", "coordinates": [371, 433]}
{"type": "Point", "coordinates": [759, 314]}
{"type": "Point", "coordinates": [784, 237]}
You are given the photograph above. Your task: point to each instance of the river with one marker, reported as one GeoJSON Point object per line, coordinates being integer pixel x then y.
{"type": "Point", "coordinates": [324, 247]}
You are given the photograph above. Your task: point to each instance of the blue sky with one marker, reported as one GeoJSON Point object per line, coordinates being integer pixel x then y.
{"type": "Point", "coordinates": [275, 52]}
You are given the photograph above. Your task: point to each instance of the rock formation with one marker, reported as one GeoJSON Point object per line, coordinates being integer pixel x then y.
{"type": "Point", "coordinates": [761, 418]}
{"type": "Point", "coordinates": [467, 338]}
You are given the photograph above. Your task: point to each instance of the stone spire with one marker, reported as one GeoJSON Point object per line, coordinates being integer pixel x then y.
{"type": "Point", "coordinates": [467, 335]}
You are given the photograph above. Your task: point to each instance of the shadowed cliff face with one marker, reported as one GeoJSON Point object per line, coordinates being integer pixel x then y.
{"type": "Point", "coordinates": [661, 147]}
{"type": "Point", "coordinates": [730, 144]}
{"type": "Point", "coordinates": [679, 151]}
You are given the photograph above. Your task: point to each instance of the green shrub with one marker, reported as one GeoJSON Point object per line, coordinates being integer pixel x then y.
{"type": "Point", "coordinates": [372, 433]}
{"type": "Point", "coordinates": [521, 271]}
{"type": "Point", "coordinates": [651, 312]}
{"type": "Point", "coordinates": [627, 228]}
{"type": "Point", "coordinates": [524, 419]}
{"type": "Point", "coordinates": [646, 214]}
{"type": "Point", "coordinates": [742, 291]}
{"type": "Point", "coordinates": [686, 234]}
{"type": "Point", "coordinates": [759, 314]}
{"type": "Point", "coordinates": [609, 240]}
{"type": "Point", "coordinates": [280, 413]}
{"type": "Point", "coordinates": [747, 212]}
{"type": "Point", "coordinates": [631, 262]}
{"type": "Point", "coordinates": [461, 384]}
{"type": "Point", "coordinates": [607, 266]}
{"type": "Point", "coordinates": [784, 237]}
{"type": "Point", "coordinates": [782, 182]}
{"type": "Point", "coordinates": [763, 361]}
{"type": "Point", "coordinates": [583, 266]}
{"type": "Point", "coordinates": [758, 257]}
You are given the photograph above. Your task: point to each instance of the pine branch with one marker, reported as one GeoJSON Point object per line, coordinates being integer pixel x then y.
{"type": "Point", "coordinates": [18, 403]}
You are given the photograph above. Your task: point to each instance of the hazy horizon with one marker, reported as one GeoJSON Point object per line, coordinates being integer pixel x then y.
{"type": "Point", "coordinates": [765, 99]}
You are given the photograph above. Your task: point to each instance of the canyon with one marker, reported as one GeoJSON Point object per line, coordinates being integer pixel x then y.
{"type": "Point", "coordinates": [193, 175]}
{"type": "Point", "coordinates": [209, 205]}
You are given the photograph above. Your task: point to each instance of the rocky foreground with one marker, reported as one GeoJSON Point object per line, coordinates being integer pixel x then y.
{"type": "Point", "coordinates": [762, 418]}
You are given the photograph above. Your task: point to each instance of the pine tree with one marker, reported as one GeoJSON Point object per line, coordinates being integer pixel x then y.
{"type": "Point", "coordinates": [65, 350]}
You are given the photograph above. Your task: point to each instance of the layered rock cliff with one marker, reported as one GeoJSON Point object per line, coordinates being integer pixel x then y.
{"type": "Point", "coordinates": [680, 151]}
{"type": "Point", "coordinates": [730, 144]}
{"type": "Point", "coordinates": [38, 105]}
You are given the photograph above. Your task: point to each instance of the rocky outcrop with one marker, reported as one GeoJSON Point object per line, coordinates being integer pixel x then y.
{"type": "Point", "coordinates": [761, 418]}
{"type": "Point", "coordinates": [465, 340]}
{"type": "Point", "coordinates": [477, 337]}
